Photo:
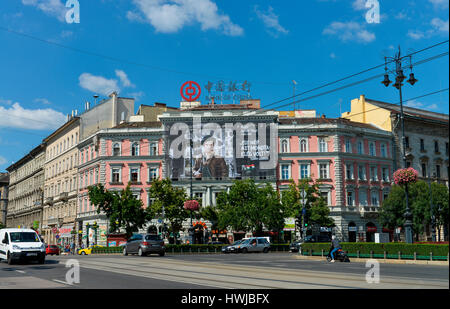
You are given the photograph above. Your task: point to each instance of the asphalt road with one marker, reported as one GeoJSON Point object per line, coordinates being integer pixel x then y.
{"type": "Point", "coordinates": [217, 271]}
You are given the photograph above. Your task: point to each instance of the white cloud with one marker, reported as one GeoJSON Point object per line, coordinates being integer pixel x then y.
{"type": "Point", "coordinates": [419, 105]}
{"type": "Point", "coordinates": [441, 4]}
{"type": "Point", "coordinates": [124, 79]}
{"type": "Point", "coordinates": [270, 20]}
{"type": "Point", "coordinates": [54, 8]}
{"type": "Point", "coordinates": [98, 84]}
{"type": "Point", "coordinates": [43, 101]}
{"type": "Point", "coordinates": [170, 16]}
{"type": "Point", "coordinates": [2, 160]}
{"type": "Point", "coordinates": [350, 31]}
{"type": "Point", "coordinates": [333, 56]}
{"type": "Point", "coordinates": [440, 25]}
{"type": "Point", "coordinates": [359, 5]}
{"type": "Point", "coordinates": [103, 85]}
{"type": "Point", "coordinates": [33, 119]}
{"type": "Point", "coordinates": [136, 95]}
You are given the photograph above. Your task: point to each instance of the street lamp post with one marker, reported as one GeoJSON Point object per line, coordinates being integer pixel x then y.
{"type": "Point", "coordinates": [433, 218]}
{"type": "Point", "coordinates": [400, 77]}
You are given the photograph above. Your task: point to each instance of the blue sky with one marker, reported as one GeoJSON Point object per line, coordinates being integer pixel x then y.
{"type": "Point", "coordinates": [268, 43]}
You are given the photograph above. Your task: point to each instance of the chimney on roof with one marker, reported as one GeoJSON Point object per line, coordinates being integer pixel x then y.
{"type": "Point", "coordinates": [212, 101]}
{"type": "Point", "coordinates": [323, 116]}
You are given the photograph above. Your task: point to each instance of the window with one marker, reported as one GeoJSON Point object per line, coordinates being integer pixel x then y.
{"type": "Point", "coordinates": [374, 198]}
{"type": "Point", "coordinates": [92, 152]}
{"type": "Point", "coordinates": [153, 149]}
{"type": "Point", "coordinates": [285, 172]}
{"type": "Point", "coordinates": [198, 195]}
{"type": "Point", "coordinates": [303, 145]}
{"type": "Point", "coordinates": [115, 178]}
{"type": "Point", "coordinates": [406, 141]}
{"type": "Point", "coordinates": [438, 171]}
{"type": "Point", "coordinates": [325, 197]}
{"type": "Point", "coordinates": [116, 149]}
{"type": "Point", "coordinates": [349, 171]}
{"type": "Point", "coordinates": [350, 201]}
{"type": "Point", "coordinates": [446, 149]}
{"type": "Point", "coordinates": [304, 171]}
{"type": "Point", "coordinates": [323, 147]}
{"type": "Point", "coordinates": [284, 146]}
{"type": "Point", "coordinates": [361, 172]}
{"type": "Point", "coordinates": [153, 173]}
{"type": "Point", "coordinates": [383, 150]}
{"type": "Point", "coordinates": [360, 147]}
{"type": "Point", "coordinates": [436, 146]}
{"type": "Point", "coordinates": [135, 149]}
{"type": "Point", "coordinates": [385, 174]}
{"type": "Point", "coordinates": [138, 197]}
{"type": "Point", "coordinates": [348, 145]}
{"type": "Point", "coordinates": [372, 149]}
{"type": "Point", "coordinates": [422, 144]}
{"type": "Point", "coordinates": [424, 170]}
{"type": "Point", "coordinates": [134, 174]}
{"type": "Point", "coordinates": [373, 173]}
{"type": "Point", "coordinates": [362, 198]}
{"type": "Point", "coordinates": [323, 171]}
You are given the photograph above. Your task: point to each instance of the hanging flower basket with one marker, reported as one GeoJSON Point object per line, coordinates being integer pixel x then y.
{"type": "Point", "coordinates": [405, 176]}
{"type": "Point", "coordinates": [191, 205]}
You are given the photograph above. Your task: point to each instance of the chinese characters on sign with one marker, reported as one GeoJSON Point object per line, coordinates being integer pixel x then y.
{"type": "Point", "coordinates": [227, 91]}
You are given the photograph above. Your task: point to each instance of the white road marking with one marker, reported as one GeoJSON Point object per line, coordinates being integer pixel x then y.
{"type": "Point", "coordinates": [63, 282]}
{"type": "Point", "coordinates": [20, 271]}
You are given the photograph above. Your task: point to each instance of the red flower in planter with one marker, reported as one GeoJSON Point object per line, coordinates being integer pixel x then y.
{"type": "Point", "coordinates": [191, 205]}
{"type": "Point", "coordinates": [405, 176]}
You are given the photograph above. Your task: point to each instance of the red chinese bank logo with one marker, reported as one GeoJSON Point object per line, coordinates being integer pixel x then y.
{"type": "Point", "coordinates": [190, 91]}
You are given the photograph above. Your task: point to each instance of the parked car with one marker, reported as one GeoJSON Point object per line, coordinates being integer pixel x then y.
{"type": "Point", "coordinates": [21, 244]}
{"type": "Point", "coordinates": [254, 244]}
{"type": "Point", "coordinates": [295, 246]}
{"type": "Point", "coordinates": [144, 244]}
{"type": "Point", "coordinates": [88, 250]}
{"type": "Point", "coordinates": [52, 249]}
{"type": "Point", "coordinates": [232, 248]}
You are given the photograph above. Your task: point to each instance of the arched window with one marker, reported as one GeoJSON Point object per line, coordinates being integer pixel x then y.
{"type": "Point", "coordinates": [303, 145]}
{"type": "Point", "coordinates": [135, 149]}
{"type": "Point", "coordinates": [284, 146]}
{"type": "Point", "coordinates": [116, 149]}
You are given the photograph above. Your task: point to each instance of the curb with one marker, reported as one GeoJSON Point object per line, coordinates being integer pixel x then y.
{"type": "Point", "coordinates": [385, 261]}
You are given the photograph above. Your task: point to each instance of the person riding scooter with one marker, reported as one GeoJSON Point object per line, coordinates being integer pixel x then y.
{"type": "Point", "coordinates": [335, 246]}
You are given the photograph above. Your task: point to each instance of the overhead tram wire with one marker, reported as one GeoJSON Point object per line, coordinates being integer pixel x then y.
{"type": "Point", "coordinates": [355, 74]}
{"type": "Point", "coordinates": [349, 85]}
{"type": "Point", "coordinates": [119, 60]}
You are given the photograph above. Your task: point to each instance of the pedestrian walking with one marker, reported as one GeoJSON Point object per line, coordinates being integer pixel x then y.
{"type": "Point", "coordinates": [73, 248]}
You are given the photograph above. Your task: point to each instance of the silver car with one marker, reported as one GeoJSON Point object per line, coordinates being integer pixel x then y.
{"type": "Point", "coordinates": [254, 244]}
{"type": "Point", "coordinates": [144, 244]}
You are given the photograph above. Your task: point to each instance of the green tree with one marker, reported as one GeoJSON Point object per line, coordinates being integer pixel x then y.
{"type": "Point", "coordinates": [122, 209]}
{"type": "Point", "coordinates": [317, 210]}
{"type": "Point", "coordinates": [211, 214]}
{"type": "Point", "coordinates": [168, 203]}
{"type": "Point", "coordinates": [2, 226]}
{"type": "Point", "coordinates": [247, 207]}
{"type": "Point", "coordinates": [394, 206]}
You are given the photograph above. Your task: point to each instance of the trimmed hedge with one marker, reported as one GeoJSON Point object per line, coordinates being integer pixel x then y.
{"type": "Point", "coordinates": [107, 250]}
{"type": "Point", "coordinates": [422, 251]}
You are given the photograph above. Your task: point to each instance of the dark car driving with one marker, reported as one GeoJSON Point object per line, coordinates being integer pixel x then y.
{"type": "Point", "coordinates": [295, 246]}
{"type": "Point", "coordinates": [145, 244]}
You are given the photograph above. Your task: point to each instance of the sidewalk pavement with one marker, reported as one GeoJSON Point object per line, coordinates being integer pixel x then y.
{"type": "Point", "coordinates": [386, 261]}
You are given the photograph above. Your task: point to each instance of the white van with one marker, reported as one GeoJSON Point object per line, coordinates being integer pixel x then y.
{"type": "Point", "coordinates": [21, 244]}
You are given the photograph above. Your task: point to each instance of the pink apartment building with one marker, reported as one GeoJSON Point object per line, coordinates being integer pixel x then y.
{"type": "Point", "coordinates": [354, 162]}
{"type": "Point", "coordinates": [130, 152]}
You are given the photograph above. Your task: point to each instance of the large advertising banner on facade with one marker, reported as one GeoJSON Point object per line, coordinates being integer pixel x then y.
{"type": "Point", "coordinates": [221, 150]}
